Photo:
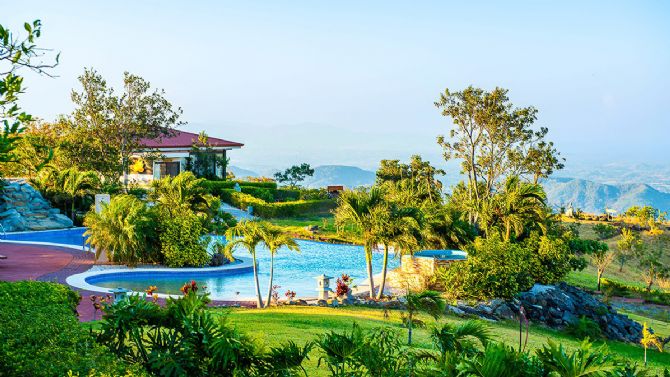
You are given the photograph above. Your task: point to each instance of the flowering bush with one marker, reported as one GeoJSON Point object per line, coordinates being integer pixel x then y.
{"type": "Point", "coordinates": [343, 285]}
{"type": "Point", "coordinates": [290, 295]}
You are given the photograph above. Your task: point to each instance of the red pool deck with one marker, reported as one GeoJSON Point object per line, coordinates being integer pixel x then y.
{"type": "Point", "coordinates": [55, 264]}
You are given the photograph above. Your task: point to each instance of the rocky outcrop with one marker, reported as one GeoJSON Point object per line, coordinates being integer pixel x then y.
{"type": "Point", "coordinates": [557, 306]}
{"type": "Point", "coordinates": [23, 208]}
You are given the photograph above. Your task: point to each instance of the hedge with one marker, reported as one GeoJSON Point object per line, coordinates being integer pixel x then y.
{"type": "Point", "coordinates": [285, 209]}
{"type": "Point", "coordinates": [618, 289]}
{"type": "Point", "coordinates": [259, 192]}
{"type": "Point", "coordinates": [216, 186]}
{"type": "Point", "coordinates": [287, 195]}
{"type": "Point", "coordinates": [40, 334]}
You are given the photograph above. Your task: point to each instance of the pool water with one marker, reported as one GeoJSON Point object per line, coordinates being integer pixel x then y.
{"type": "Point", "coordinates": [292, 271]}
{"type": "Point", "coordinates": [74, 236]}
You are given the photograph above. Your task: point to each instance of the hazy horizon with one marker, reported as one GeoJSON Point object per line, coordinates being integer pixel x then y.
{"type": "Point", "coordinates": [353, 83]}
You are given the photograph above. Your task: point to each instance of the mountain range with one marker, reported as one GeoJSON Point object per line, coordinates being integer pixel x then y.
{"type": "Point", "coordinates": [587, 195]}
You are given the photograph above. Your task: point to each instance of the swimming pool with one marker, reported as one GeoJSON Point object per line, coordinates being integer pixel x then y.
{"type": "Point", "coordinates": [293, 271]}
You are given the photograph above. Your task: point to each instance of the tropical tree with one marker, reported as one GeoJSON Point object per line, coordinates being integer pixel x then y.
{"type": "Point", "coordinates": [492, 138]}
{"type": "Point", "coordinates": [649, 339]}
{"type": "Point", "coordinates": [629, 243]}
{"type": "Point", "coordinates": [362, 209]}
{"type": "Point", "coordinates": [430, 302]}
{"type": "Point", "coordinates": [400, 228]}
{"type": "Point", "coordinates": [124, 230]}
{"type": "Point", "coordinates": [76, 184]}
{"type": "Point", "coordinates": [294, 175]}
{"type": "Point", "coordinates": [17, 53]}
{"type": "Point", "coordinates": [248, 234]}
{"type": "Point", "coordinates": [601, 257]}
{"type": "Point", "coordinates": [274, 239]}
{"type": "Point", "coordinates": [517, 205]}
{"type": "Point", "coordinates": [184, 192]}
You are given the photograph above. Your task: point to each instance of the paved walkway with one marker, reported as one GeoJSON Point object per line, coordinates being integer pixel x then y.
{"type": "Point", "coordinates": [55, 264]}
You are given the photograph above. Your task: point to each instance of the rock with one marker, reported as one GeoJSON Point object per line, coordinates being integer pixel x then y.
{"type": "Point", "coordinates": [455, 310]}
{"type": "Point", "coordinates": [322, 303]}
{"type": "Point", "coordinates": [504, 311]}
{"type": "Point", "coordinates": [24, 208]}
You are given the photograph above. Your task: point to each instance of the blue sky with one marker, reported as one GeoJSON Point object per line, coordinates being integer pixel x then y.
{"type": "Point", "coordinates": [354, 82]}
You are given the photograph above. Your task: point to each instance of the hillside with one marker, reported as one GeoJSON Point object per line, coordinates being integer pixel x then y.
{"type": "Point", "coordinates": [594, 197]}
{"type": "Point", "coordinates": [349, 176]}
{"type": "Point", "coordinates": [242, 173]}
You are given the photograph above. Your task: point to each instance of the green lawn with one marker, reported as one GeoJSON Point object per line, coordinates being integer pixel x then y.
{"type": "Point", "coordinates": [302, 324]}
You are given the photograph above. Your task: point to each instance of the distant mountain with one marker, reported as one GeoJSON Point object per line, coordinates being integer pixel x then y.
{"type": "Point", "coordinates": [349, 176]}
{"type": "Point", "coordinates": [594, 197]}
{"type": "Point", "coordinates": [242, 173]}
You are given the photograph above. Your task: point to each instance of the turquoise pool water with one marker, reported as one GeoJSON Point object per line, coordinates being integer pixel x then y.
{"type": "Point", "coordinates": [294, 271]}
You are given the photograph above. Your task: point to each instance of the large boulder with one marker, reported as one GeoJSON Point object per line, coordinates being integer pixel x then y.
{"type": "Point", "coordinates": [23, 208]}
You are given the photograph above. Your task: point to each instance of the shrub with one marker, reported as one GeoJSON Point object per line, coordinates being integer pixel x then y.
{"type": "Point", "coordinates": [494, 268]}
{"type": "Point", "coordinates": [584, 328]}
{"type": "Point", "coordinates": [314, 194]}
{"type": "Point", "coordinates": [125, 230]}
{"type": "Point", "coordinates": [287, 195]}
{"type": "Point", "coordinates": [282, 209]}
{"type": "Point", "coordinates": [259, 193]}
{"type": "Point", "coordinates": [181, 240]}
{"type": "Point", "coordinates": [552, 261]}
{"type": "Point", "coordinates": [605, 231]}
{"type": "Point", "coordinates": [41, 336]}
{"type": "Point", "coordinates": [215, 187]}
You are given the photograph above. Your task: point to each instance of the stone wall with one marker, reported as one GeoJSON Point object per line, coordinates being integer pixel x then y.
{"type": "Point", "coordinates": [23, 208]}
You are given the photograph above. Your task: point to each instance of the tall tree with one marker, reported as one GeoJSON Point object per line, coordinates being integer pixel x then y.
{"type": "Point", "coordinates": [274, 239]}
{"type": "Point", "coordinates": [17, 53]}
{"type": "Point", "coordinates": [248, 234]}
{"type": "Point", "coordinates": [294, 175]}
{"type": "Point", "coordinates": [417, 178]}
{"type": "Point", "coordinates": [629, 244]}
{"type": "Point", "coordinates": [111, 126]}
{"type": "Point", "coordinates": [362, 209]}
{"type": "Point", "coordinates": [492, 138]}
{"type": "Point", "coordinates": [601, 257]}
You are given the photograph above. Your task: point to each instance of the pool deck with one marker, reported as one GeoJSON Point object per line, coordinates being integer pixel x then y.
{"type": "Point", "coordinates": [55, 264]}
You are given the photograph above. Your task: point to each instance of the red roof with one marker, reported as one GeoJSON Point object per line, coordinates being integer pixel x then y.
{"type": "Point", "coordinates": [183, 139]}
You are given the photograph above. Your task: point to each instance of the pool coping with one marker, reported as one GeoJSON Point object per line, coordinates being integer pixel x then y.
{"type": "Point", "coordinates": [79, 280]}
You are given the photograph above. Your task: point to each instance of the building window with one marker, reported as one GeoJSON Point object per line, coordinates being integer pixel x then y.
{"type": "Point", "coordinates": [169, 169]}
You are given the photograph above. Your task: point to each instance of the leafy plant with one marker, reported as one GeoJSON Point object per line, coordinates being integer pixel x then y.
{"type": "Point", "coordinates": [429, 302]}
{"type": "Point", "coordinates": [584, 328]}
{"type": "Point", "coordinates": [459, 338]}
{"type": "Point", "coordinates": [585, 361]}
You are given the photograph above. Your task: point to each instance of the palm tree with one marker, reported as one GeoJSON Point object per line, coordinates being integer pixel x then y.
{"type": "Point", "coordinates": [122, 229]}
{"type": "Point", "coordinates": [275, 238]}
{"type": "Point", "coordinates": [458, 338]}
{"type": "Point", "coordinates": [360, 208]}
{"type": "Point", "coordinates": [430, 302]}
{"type": "Point", "coordinates": [398, 227]}
{"type": "Point", "coordinates": [71, 184]}
{"type": "Point", "coordinates": [519, 203]}
{"type": "Point", "coordinates": [248, 234]}
{"type": "Point", "coordinates": [445, 227]}
{"type": "Point", "coordinates": [183, 191]}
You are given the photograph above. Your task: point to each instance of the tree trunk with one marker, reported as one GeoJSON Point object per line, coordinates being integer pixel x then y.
{"type": "Point", "coordinates": [600, 274]}
{"type": "Point", "coordinates": [72, 210]}
{"type": "Point", "coordinates": [409, 328]}
{"type": "Point", "coordinates": [368, 262]}
{"type": "Point", "coordinates": [645, 356]}
{"type": "Point", "coordinates": [272, 266]}
{"type": "Point", "coordinates": [384, 268]}
{"type": "Point", "coordinates": [259, 300]}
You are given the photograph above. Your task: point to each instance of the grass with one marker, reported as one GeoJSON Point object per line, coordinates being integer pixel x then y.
{"type": "Point", "coordinates": [301, 324]}
{"type": "Point", "coordinates": [327, 231]}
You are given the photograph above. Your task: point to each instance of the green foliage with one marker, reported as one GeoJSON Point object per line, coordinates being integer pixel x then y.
{"type": "Point", "coordinates": [294, 175]}
{"type": "Point", "coordinates": [181, 339]}
{"type": "Point", "coordinates": [203, 160]}
{"type": "Point", "coordinates": [494, 268]}
{"type": "Point", "coordinates": [67, 186]}
{"type": "Point", "coordinates": [16, 53]}
{"type": "Point", "coordinates": [584, 328]}
{"type": "Point", "coordinates": [552, 261]}
{"type": "Point", "coordinates": [125, 229]}
{"type": "Point", "coordinates": [459, 338]}
{"type": "Point", "coordinates": [605, 231]}
{"type": "Point", "coordinates": [181, 240]}
{"type": "Point", "coordinates": [287, 195]}
{"type": "Point", "coordinates": [41, 336]}
{"type": "Point", "coordinates": [416, 180]}
{"type": "Point", "coordinates": [281, 209]}
{"type": "Point", "coordinates": [585, 361]}
{"type": "Point", "coordinates": [259, 193]}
